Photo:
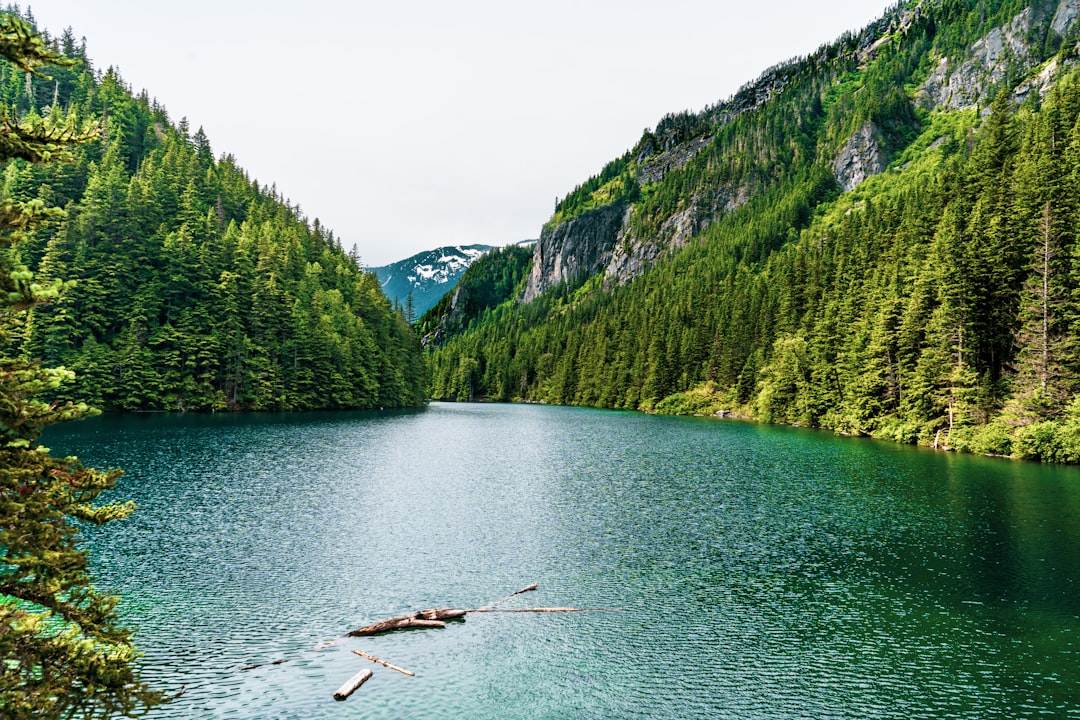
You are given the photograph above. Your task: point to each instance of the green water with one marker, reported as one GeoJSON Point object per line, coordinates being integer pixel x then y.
{"type": "Point", "coordinates": [761, 572]}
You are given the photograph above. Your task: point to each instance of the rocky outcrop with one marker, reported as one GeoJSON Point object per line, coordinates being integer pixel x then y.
{"type": "Point", "coordinates": [575, 249]}
{"type": "Point", "coordinates": [1065, 16]}
{"type": "Point", "coordinates": [632, 255]}
{"type": "Point", "coordinates": [956, 85]}
{"type": "Point", "coordinates": [653, 166]}
{"type": "Point", "coordinates": [862, 156]}
{"type": "Point", "coordinates": [1040, 83]}
{"type": "Point", "coordinates": [968, 84]}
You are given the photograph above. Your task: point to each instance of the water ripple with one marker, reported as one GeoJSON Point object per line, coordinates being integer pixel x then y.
{"type": "Point", "coordinates": [761, 572]}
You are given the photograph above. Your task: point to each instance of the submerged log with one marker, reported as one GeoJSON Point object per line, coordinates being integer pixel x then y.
{"type": "Point", "coordinates": [352, 684]}
{"type": "Point", "coordinates": [259, 665]}
{"type": "Point", "coordinates": [374, 659]}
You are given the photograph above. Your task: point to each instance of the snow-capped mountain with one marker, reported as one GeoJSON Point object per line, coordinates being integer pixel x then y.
{"type": "Point", "coordinates": [428, 275]}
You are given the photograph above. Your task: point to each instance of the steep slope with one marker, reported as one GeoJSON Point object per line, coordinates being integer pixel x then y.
{"type": "Point", "coordinates": [878, 239]}
{"type": "Point", "coordinates": [427, 276]}
{"type": "Point", "coordinates": [191, 286]}
{"type": "Point", "coordinates": [493, 279]}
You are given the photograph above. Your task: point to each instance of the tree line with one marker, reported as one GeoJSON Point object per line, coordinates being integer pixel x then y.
{"type": "Point", "coordinates": [938, 303]}
{"type": "Point", "coordinates": [188, 285]}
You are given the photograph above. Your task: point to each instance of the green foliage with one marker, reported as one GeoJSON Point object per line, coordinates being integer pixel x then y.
{"type": "Point", "coordinates": [62, 651]}
{"type": "Point", "coordinates": [491, 280]}
{"type": "Point", "coordinates": [707, 399]}
{"type": "Point", "coordinates": [191, 286]}
{"type": "Point", "coordinates": [614, 183]}
{"type": "Point", "coordinates": [938, 302]}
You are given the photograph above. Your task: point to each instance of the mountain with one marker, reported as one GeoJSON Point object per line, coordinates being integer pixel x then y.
{"type": "Point", "coordinates": [879, 238]}
{"type": "Point", "coordinates": [428, 275]}
{"type": "Point", "coordinates": [494, 278]}
{"type": "Point", "coordinates": [178, 282]}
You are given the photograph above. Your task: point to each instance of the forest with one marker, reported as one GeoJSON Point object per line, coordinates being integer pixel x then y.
{"type": "Point", "coordinates": [182, 283]}
{"type": "Point", "coordinates": [936, 303]}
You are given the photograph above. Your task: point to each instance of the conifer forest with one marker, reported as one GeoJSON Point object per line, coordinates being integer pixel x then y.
{"type": "Point", "coordinates": [936, 302]}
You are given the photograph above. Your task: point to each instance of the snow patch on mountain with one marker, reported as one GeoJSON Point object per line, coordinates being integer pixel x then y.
{"type": "Point", "coordinates": [427, 276]}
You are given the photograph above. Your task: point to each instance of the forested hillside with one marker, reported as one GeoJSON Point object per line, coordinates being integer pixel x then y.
{"type": "Point", "coordinates": [190, 285]}
{"type": "Point", "coordinates": [493, 279]}
{"type": "Point", "coordinates": [879, 239]}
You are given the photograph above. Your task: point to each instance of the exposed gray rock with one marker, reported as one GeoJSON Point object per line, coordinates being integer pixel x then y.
{"type": "Point", "coordinates": [862, 156]}
{"type": "Point", "coordinates": [1040, 83]}
{"type": "Point", "coordinates": [577, 248]}
{"type": "Point", "coordinates": [632, 255]}
{"type": "Point", "coordinates": [969, 83]}
{"type": "Point", "coordinates": [653, 167]}
{"type": "Point", "coordinates": [1066, 15]}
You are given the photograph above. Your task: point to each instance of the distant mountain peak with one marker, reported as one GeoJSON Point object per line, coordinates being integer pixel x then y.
{"type": "Point", "coordinates": [428, 275]}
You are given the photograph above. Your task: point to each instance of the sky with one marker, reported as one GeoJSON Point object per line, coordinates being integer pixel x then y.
{"type": "Point", "coordinates": [407, 125]}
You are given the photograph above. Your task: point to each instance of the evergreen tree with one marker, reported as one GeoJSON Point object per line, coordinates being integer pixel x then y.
{"type": "Point", "coordinates": [62, 652]}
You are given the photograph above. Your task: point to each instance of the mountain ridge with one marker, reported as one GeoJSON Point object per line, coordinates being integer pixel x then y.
{"type": "Point", "coordinates": [426, 276]}
{"type": "Point", "coordinates": [851, 242]}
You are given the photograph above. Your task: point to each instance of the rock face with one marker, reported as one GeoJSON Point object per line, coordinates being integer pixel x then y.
{"type": "Point", "coordinates": [655, 165]}
{"type": "Point", "coordinates": [577, 248]}
{"type": "Point", "coordinates": [862, 156]}
{"type": "Point", "coordinates": [956, 85]}
{"type": "Point", "coordinates": [1065, 16]}
{"type": "Point", "coordinates": [632, 255]}
{"type": "Point", "coordinates": [967, 85]}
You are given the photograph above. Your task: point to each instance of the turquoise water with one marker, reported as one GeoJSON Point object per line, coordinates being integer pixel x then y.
{"type": "Point", "coordinates": [760, 572]}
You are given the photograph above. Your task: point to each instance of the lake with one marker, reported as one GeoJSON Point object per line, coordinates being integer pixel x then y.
{"type": "Point", "coordinates": [759, 572]}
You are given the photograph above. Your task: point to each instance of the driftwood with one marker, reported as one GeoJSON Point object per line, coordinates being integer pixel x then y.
{"type": "Point", "coordinates": [374, 659]}
{"type": "Point", "coordinates": [352, 684]}
{"type": "Point", "coordinates": [437, 617]}
{"type": "Point", "coordinates": [259, 665]}
{"type": "Point", "coordinates": [530, 588]}
{"type": "Point", "coordinates": [544, 610]}
{"type": "Point", "coordinates": [433, 618]}
{"type": "Point", "coordinates": [398, 623]}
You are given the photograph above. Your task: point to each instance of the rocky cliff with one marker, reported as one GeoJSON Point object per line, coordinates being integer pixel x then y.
{"type": "Point", "coordinates": [969, 81]}
{"type": "Point", "coordinates": [862, 156]}
{"type": "Point", "coordinates": [609, 241]}
{"type": "Point", "coordinates": [575, 249]}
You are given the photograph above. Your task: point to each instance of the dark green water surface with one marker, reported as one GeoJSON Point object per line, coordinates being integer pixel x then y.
{"type": "Point", "coordinates": [761, 572]}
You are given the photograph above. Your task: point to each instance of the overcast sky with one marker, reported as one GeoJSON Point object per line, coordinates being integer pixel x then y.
{"type": "Point", "coordinates": [404, 125]}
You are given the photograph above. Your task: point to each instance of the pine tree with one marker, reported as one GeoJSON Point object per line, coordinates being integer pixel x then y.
{"type": "Point", "coordinates": [62, 652]}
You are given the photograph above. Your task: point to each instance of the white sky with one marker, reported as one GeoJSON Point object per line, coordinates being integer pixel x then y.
{"type": "Point", "coordinates": [408, 124]}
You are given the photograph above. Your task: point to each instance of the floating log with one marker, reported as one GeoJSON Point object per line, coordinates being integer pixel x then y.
{"type": "Point", "coordinates": [352, 684]}
{"type": "Point", "coordinates": [432, 618]}
{"type": "Point", "coordinates": [441, 614]}
{"type": "Point", "coordinates": [530, 588]}
{"type": "Point", "coordinates": [374, 659]}
{"type": "Point", "coordinates": [545, 610]}
{"type": "Point", "coordinates": [405, 622]}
